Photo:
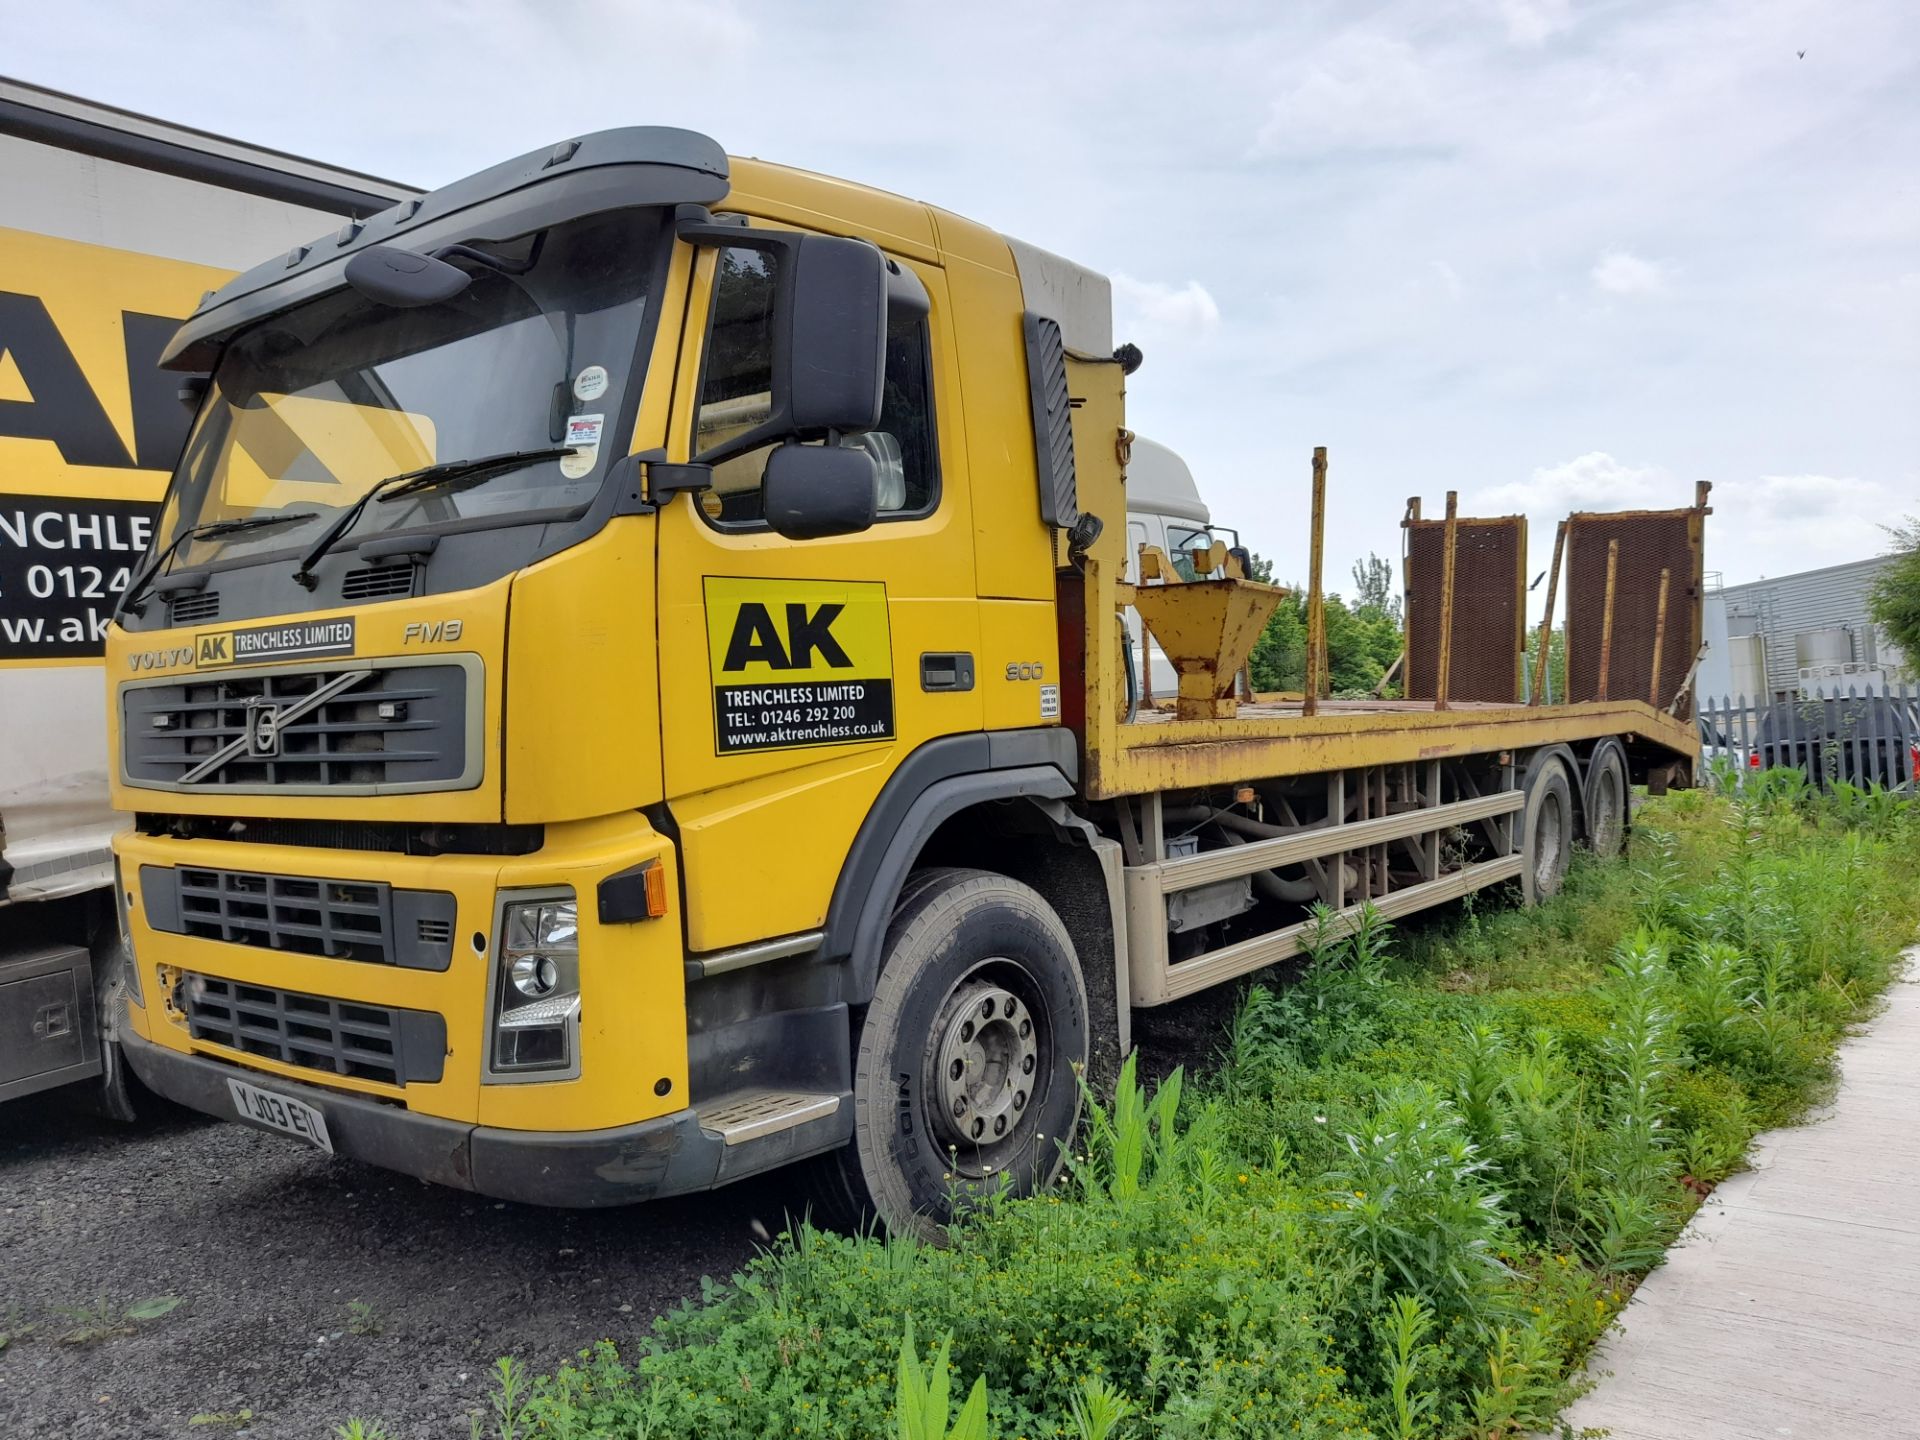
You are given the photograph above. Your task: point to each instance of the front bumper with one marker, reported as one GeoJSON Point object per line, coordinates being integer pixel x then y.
{"type": "Point", "coordinates": [669, 1155]}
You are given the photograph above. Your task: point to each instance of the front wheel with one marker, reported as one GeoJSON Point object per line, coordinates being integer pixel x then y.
{"type": "Point", "coordinates": [965, 1075]}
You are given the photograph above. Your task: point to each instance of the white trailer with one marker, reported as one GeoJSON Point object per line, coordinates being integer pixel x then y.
{"type": "Point", "coordinates": [112, 226]}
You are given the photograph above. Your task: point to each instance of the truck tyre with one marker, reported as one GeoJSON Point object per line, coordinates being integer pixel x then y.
{"type": "Point", "coordinates": [1547, 830]}
{"type": "Point", "coordinates": [965, 1066]}
{"type": "Point", "coordinates": [1606, 801]}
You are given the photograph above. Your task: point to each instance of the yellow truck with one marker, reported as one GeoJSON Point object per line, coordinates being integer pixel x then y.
{"type": "Point", "coordinates": [630, 690]}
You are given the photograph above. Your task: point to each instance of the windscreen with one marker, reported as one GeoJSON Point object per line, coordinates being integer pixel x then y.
{"type": "Point", "coordinates": [311, 408]}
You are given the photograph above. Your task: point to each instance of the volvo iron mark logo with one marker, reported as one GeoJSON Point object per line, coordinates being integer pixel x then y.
{"type": "Point", "coordinates": [263, 730]}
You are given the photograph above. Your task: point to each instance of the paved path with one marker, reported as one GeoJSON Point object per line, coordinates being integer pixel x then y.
{"type": "Point", "coordinates": [1791, 1307]}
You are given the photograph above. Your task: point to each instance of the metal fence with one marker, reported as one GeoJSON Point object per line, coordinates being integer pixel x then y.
{"type": "Point", "coordinates": [1868, 736]}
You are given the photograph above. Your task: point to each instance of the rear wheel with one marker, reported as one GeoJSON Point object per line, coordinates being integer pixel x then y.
{"type": "Point", "coordinates": [964, 1075]}
{"type": "Point", "coordinates": [1606, 803]}
{"type": "Point", "coordinates": [1547, 834]}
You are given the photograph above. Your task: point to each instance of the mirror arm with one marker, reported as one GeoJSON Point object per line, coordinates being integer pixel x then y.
{"type": "Point", "coordinates": [647, 480]}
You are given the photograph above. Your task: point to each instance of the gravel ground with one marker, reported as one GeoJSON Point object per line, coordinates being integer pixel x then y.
{"type": "Point", "coordinates": [266, 1242]}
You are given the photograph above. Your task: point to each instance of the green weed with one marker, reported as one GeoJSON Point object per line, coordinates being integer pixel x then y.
{"type": "Point", "coordinates": [1415, 1187]}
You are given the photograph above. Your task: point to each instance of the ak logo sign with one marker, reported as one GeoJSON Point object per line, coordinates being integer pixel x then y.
{"type": "Point", "coordinates": [798, 663]}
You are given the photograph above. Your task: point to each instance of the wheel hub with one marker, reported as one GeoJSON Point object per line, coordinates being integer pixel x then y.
{"type": "Point", "coordinates": [986, 1058]}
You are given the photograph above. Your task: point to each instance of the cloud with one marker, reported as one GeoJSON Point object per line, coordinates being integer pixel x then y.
{"type": "Point", "coordinates": [1153, 306]}
{"type": "Point", "coordinates": [1361, 91]}
{"type": "Point", "coordinates": [1594, 481]}
{"type": "Point", "coordinates": [1534, 22]}
{"type": "Point", "coordinates": [1761, 525]}
{"type": "Point", "coordinates": [1449, 279]}
{"type": "Point", "coordinates": [1619, 272]}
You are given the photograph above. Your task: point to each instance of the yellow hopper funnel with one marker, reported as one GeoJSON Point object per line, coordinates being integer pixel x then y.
{"type": "Point", "coordinates": [1208, 628]}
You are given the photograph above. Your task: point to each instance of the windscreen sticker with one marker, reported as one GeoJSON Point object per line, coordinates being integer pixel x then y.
{"type": "Point", "coordinates": [583, 438]}
{"type": "Point", "coordinates": [798, 663]}
{"type": "Point", "coordinates": [590, 384]}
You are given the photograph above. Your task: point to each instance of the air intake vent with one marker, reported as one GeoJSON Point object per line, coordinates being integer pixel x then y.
{"type": "Point", "coordinates": [193, 606]}
{"type": "Point", "coordinates": [380, 582]}
{"type": "Point", "coordinates": [435, 932]}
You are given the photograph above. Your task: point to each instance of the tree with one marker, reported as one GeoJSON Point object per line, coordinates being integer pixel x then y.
{"type": "Point", "coordinates": [1556, 662]}
{"type": "Point", "coordinates": [1894, 598]}
{"type": "Point", "coordinates": [1362, 640]}
{"type": "Point", "coordinates": [1373, 586]}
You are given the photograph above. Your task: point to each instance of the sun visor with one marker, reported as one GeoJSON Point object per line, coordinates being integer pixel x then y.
{"type": "Point", "coordinates": [609, 170]}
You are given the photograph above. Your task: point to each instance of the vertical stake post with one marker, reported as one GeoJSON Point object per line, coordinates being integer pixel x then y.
{"type": "Point", "coordinates": [1546, 621]}
{"type": "Point", "coordinates": [1659, 640]}
{"type": "Point", "coordinates": [1444, 674]}
{"type": "Point", "coordinates": [1316, 607]}
{"type": "Point", "coordinates": [1606, 620]}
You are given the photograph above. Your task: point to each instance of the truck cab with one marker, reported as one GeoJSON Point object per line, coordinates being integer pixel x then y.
{"type": "Point", "coordinates": [572, 583]}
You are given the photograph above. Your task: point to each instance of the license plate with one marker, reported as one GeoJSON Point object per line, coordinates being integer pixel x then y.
{"type": "Point", "coordinates": [282, 1113]}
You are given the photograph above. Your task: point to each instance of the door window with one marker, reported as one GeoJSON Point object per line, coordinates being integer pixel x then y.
{"type": "Point", "coordinates": [736, 394]}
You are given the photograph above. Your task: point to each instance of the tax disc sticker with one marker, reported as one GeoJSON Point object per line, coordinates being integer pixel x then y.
{"type": "Point", "coordinates": [583, 439]}
{"type": "Point", "coordinates": [590, 383]}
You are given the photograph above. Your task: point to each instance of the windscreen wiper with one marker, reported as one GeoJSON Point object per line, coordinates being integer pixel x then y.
{"type": "Point", "coordinates": [212, 530]}
{"type": "Point", "coordinates": [412, 482]}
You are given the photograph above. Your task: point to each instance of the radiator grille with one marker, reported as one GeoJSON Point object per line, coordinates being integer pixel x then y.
{"type": "Point", "coordinates": [393, 726]}
{"type": "Point", "coordinates": [338, 1037]}
{"type": "Point", "coordinates": [379, 582]}
{"type": "Point", "coordinates": [344, 920]}
{"type": "Point", "coordinates": [362, 920]}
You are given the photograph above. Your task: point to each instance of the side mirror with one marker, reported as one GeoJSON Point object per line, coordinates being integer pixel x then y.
{"type": "Point", "coordinates": [813, 491]}
{"type": "Point", "coordinates": [829, 340]}
{"type": "Point", "coordinates": [404, 279]}
{"type": "Point", "coordinates": [829, 370]}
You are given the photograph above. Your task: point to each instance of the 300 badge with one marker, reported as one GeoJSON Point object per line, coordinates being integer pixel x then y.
{"type": "Point", "coordinates": [798, 663]}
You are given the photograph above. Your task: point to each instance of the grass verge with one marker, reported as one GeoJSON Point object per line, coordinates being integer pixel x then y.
{"type": "Point", "coordinates": [1421, 1179]}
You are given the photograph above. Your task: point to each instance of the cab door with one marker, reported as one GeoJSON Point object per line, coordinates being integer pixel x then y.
{"type": "Point", "coordinates": [795, 675]}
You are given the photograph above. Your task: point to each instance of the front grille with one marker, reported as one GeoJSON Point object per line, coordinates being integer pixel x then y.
{"type": "Point", "coordinates": [399, 727]}
{"type": "Point", "coordinates": [379, 582]}
{"type": "Point", "coordinates": [339, 1037]}
{"type": "Point", "coordinates": [193, 607]}
{"type": "Point", "coordinates": [363, 920]}
{"type": "Point", "coordinates": [346, 920]}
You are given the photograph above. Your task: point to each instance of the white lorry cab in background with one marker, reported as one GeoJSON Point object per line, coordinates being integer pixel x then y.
{"type": "Point", "coordinates": [112, 227]}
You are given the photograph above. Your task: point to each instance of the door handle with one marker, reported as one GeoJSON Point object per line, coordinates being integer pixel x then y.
{"type": "Point", "coordinates": [946, 670]}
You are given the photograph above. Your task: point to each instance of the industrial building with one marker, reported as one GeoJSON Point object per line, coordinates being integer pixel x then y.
{"type": "Point", "coordinates": [1797, 635]}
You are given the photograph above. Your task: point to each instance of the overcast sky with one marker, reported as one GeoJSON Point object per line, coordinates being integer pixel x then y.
{"type": "Point", "coordinates": [1548, 253]}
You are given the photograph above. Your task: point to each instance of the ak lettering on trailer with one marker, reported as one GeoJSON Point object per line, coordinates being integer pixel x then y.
{"type": "Point", "coordinates": [798, 663]}
{"type": "Point", "coordinates": [89, 429]}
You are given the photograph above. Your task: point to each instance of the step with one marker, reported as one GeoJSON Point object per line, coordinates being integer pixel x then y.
{"type": "Point", "coordinates": [743, 1115]}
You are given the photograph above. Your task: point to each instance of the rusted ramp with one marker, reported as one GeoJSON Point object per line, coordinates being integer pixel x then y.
{"type": "Point", "coordinates": [1633, 605]}
{"type": "Point", "coordinates": [1489, 608]}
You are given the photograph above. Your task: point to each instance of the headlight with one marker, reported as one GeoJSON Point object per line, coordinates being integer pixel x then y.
{"type": "Point", "coordinates": [536, 1016]}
